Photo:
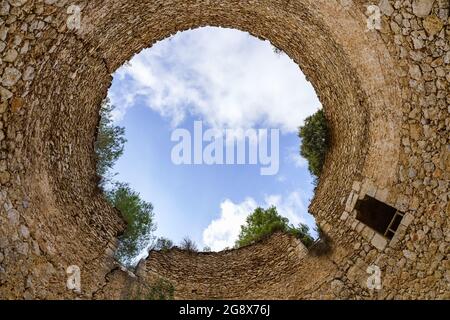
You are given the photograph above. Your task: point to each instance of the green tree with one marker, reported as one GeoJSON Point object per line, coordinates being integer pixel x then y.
{"type": "Point", "coordinates": [163, 244]}
{"type": "Point", "coordinates": [259, 224]}
{"type": "Point", "coordinates": [137, 213]}
{"type": "Point", "coordinates": [262, 223]}
{"type": "Point", "coordinates": [139, 217]}
{"type": "Point", "coordinates": [302, 233]}
{"type": "Point", "coordinates": [315, 142]}
{"type": "Point", "coordinates": [110, 143]}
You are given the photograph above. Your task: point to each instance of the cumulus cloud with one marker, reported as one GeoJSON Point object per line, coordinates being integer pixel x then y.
{"type": "Point", "coordinates": [225, 77]}
{"type": "Point", "coordinates": [228, 79]}
{"type": "Point", "coordinates": [223, 232]}
{"type": "Point", "coordinates": [294, 157]}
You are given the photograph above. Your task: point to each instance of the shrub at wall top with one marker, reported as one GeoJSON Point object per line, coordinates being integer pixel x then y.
{"type": "Point", "coordinates": [315, 142]}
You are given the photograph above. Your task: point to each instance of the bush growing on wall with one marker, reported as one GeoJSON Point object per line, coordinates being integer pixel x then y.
{"type": "Point", "coordinates": [110, 143]}
{"type": "Point", "coordinates": [139, 217]}
{"type": "Point", "coordinates": [163, 244]}
{"type": "Point", "coordinates": [188, 245]}
{"type": "Point", "coordinates": [315, 142]}
{"type": "Point", "coordinates": [263, 223]}
{"type": "Point", "coordinates": [161, 289]}
{"type": "Point", "coordinates": [137, 213]}
{"type": "Point", "coordinates": [322, 246]}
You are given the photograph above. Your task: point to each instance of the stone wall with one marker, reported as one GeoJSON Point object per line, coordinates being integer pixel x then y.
{"type": "Point", "coordinates": [385, 92]}
{"type": "Point", "coordinates": [277, 267]}
{"type": "Point", "coordinates": [267, 267]}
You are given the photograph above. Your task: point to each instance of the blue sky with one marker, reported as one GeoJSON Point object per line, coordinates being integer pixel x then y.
{"type": "Point", "coordinates": [227, 79]}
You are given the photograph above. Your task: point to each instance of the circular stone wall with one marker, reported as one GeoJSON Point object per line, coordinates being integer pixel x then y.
{"type": "Point", "coordinates": [385, 93]}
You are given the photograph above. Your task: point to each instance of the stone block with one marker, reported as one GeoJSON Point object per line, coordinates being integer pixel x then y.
{"type": "Point", "coordinates": [368, 234]}
{"type": "Point", "coordinates": [344, 216]}
{"type": "Point", "coordinates": [351, 201]}
{"type": "Point", "coordinates": [433, 25]}
{"type": "Point", "coordinates": [407, 219]}
{"type": "Point", "coordinates": [382, 195]}
{"type": "Point", "coordinates": [379, 242]}
{"type": "Point", "coordinates": [367, 188]}
{"type": "Point", "coordinates": [359, 227]}
{"type": "Point", "coordinates": [356, 186]}
{"type": "Point", "coordinates": [398, 236]}
{"type": "Point", "coordinates": [402, 203]}
{"type": "Point", "coordinates": [422, 8]}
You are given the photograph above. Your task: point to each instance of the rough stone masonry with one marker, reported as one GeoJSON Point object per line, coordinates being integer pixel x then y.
{"type": "Point", "coordinates": [385, 92]}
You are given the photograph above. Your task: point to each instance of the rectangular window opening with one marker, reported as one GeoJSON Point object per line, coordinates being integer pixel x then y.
{"type": "Point", "coordinates": [379, 216]}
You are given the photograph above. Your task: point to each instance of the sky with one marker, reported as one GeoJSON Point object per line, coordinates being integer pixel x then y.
{"type": "Point", "coordinates": [229, 80]}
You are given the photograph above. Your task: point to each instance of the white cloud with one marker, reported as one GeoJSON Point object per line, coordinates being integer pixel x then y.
{"type": "Point", "coordinates": [292, 206]}
{"type": "Point", "coordinates": [229, 80]}
{"type": "Point", "coordinates": [294, 157]}
{"type": "Point", "coordinates": [224, 231]}
{"type": "Point", "coordinates": [223, 76]}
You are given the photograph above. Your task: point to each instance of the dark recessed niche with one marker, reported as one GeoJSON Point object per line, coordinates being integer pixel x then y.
{"type": "Point", "coordinates": [379, 216]}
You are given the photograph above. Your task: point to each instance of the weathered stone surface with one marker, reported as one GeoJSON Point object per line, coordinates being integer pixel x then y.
{"type": "Point", "coordinates": [368, 234]}
{"type": "Point", "coordinates": [19, 3]}
{"type": "Point", "coordinates": [5, 94]}
{"type": "Point", "coordinates": [385, 94]}
{"type": "Point", "coordinates": [2, 46]}
{"type": "Point", "coordinates": [422, 8]}
{"type": "Point", "coordinates": [24, 232]}
{"type": "Point", "coordinates": [407, 219]}
{"type": "Point", "coordinates": [4, 7]}
{"type": "Point", "coordinates": [344, 216]}
{"type": "Point", "coordinates": [410, 255]}
{"type": "Point", "coordinates": [415, 72]}
{"type": "Point", "coordinates": [261, 263]}
{"type": "Point", "coordinates": [10, 77]}
{"type": "Point", "coordinates": [351, 201]}
{"type": "Point", "coordinates": [379, 242]}
{"type": "Point", "coordinates": [386, 7]}
{"type": "Point", "coordinates": [29, 74]}
{"type": "Point", "coordinates": [13, 217]}
{"type": "Point", "coordinates": [10, 56]}
{"type": "Point", "coordinates": [337, 286]}
{"type": "Point", "coordinates": [16, 104]}
{"type": "Point", "coordinates": [432, 25]}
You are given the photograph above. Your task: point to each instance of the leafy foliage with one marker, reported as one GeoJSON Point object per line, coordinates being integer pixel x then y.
{"type": "Point", "coordinates": [262, 223]}
{"type": "Point", "coordinates": [323, 246]}
{"type": "Point", "coordinates": [302, 233]}
{"type": "Point", "coordinates": [139, 217]}
{"type": "Point", "coordinates": [163, 244]}
{"type": "Point", "coordinates": [110, 142]}
{"type": "Point", "coordinates": [315, 142]}
{"type": "Point", "coordinates": [259, 224]}
{"type": "Point", "coordinates": [160, 290]}
{"type": "Point", "coordinates": [137, 213]}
